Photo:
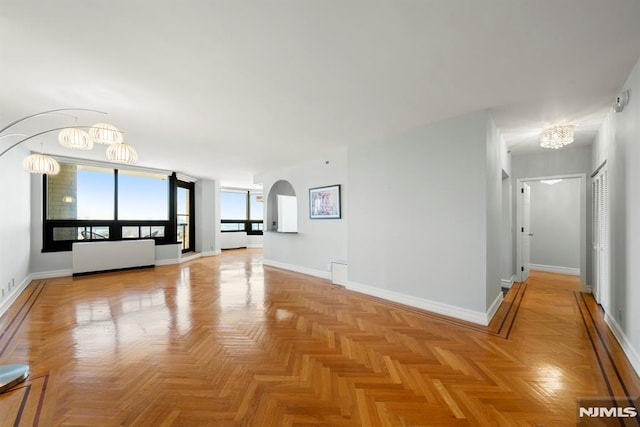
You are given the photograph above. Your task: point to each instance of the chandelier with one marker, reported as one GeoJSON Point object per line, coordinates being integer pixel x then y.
{"type": "Point", "coordinates": [75, 137]}
{"type": "Point", "coordinates": [556, 136]}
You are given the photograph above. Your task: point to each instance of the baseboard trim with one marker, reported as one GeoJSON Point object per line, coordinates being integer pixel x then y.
{"type": "Point", "coordinates": [555, 269]}
{"type": "Point", "coordinates": [508, 283]}
{"type": "Point", "coordinates": [624, 342]}
{"type": "Point", "coordinates": [11, 298]}
{"type": "Point", "coordinates": [169, 261]}
{"type": "Point", "coordinates": [210, 253]}
{"type": "Point", "coordinates": [298, 269]}
{"type": "Point", "coordinates": [51, 274]}
{"type": "Point", "coordinates": [494, 307]}
{"type": "Point", "coordinates": [256, 246]}
{"type": "Point", "coordinates": [424, 304]}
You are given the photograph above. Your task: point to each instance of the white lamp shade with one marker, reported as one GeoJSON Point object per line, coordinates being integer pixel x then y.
{"type": "Point", "coordinates": [122, 153]}
{"type": "Point", "coordinates": [75, 138]}
{"type": "Point", "coordinates": [42, 164]}
{"type": "Point", "coordinates": [105, 133]}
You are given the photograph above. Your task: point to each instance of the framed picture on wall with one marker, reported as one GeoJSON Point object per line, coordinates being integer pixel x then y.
{"type": "Point", "coordinates": [324, 202]}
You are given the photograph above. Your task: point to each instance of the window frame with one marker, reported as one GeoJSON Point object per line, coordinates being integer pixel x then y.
{"type": "Point", "coordinates": [247, 224]}
{"type": "Point", "coordinates": [115, 225]}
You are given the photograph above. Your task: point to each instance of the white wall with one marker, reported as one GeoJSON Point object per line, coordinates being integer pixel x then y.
{"type": "Point", "coordinates": [419, 218]}
{"type": "Point", "coordinates": [555, 224]}
{"type": "Point", "coordinates": [318, 241]}
{"type": "Point", "coordinates": [618, 143]}
{"type": "Point", "coordinates": [207, 194]}
{"type": "Point", "coordinates": [14, 225]}
{"type": "Point", "coordinates": [495, 160]}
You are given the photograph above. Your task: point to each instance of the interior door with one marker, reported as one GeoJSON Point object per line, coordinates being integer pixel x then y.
{"type": "Point", "coordinates": [525, 250]}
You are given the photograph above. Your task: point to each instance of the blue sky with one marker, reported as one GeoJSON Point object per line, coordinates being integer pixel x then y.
{"type": "Point", "coordinates": [139, 197]}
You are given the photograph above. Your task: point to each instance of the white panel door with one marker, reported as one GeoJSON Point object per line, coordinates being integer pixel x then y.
{"type": "Point", "coordinates": [525, 230]}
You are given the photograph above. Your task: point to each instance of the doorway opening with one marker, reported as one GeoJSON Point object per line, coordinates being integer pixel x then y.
{"type": "Point", "coordinates": [185, 218]}
{"type": "Point", "coordinates": [551, 226]}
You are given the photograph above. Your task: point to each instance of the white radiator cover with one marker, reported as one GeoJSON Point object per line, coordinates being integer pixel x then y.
{"type": "Point", "coordinates": [233, 240]}
{"type": "Point", "coordinates": [91, 257]}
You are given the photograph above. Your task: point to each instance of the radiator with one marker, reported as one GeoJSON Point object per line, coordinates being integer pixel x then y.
{"type": "Point", "coordinates": [233, 240]}
{"type": "Point", "coordinates": [93, 257]}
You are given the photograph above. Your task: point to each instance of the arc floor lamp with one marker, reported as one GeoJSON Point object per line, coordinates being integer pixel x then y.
{"type": "Point", "coordinates": [71, 137]}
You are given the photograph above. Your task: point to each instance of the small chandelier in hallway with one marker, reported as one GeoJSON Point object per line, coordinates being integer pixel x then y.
{"type": "Point", "coordinates": [556, 136]}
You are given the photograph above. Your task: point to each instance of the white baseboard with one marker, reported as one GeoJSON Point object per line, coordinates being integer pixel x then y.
{"type": "Point", "coordinates": [555, 269]}
{"type": "Point", "coordinates": [494, 306]}
{"type": "Point", "coordinates": [13, 296]}
{"type": "Point", "coordinates": [255, 246]}
{"type": "Point", "coordinates": [51, 274]}
{"type": "Point", "coordinates": [298, 269]}
{"type": "Point", "coordinates": [169, 261]}
{"type": "Point", "coordinates": [508, 283]}
{"type": "Point", "coordinates": [424, 304]}
{"type": "Point", "coordinates": [190, 257]}
{"type": "Point", "coordinates": [210, 253]}
{"type": "Point", "coordinates": [624, 342]}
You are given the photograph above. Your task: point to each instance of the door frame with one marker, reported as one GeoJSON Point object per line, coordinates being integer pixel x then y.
{"type": "Point", "coordinates": [584, 287]}
{"type": "Point", "coordinates": [188, 185]}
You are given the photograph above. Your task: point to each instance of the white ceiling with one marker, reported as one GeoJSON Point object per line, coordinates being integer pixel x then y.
{"type": "Point", "coordinates": [226, 89]}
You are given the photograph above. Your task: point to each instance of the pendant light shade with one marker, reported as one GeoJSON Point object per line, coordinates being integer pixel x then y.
{"type": "Point", "coordinates": [42, 164]}
{"type": "Point", "coordinates": [122, 153]}
{"type": "Point", "coordinates": [75, 138]}
{"type": "Point", "coordinates": [105, 133]}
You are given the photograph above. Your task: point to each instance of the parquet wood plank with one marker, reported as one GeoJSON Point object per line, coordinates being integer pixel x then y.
{"type": "Point", "coordinates": [224, 341]}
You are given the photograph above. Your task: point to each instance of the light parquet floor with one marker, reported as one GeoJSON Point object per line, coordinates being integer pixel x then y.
{"type": "Point", "coordinates": [224, 341]}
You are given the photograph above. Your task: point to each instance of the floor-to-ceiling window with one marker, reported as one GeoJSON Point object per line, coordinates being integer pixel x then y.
{"type": "Point", "coordinates": [94, 203]}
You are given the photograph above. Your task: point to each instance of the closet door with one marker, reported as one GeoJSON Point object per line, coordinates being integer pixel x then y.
{"type": "Point", "coordinates": [600, 237]}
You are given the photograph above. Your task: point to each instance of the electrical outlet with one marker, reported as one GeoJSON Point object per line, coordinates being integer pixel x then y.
{"type": "Point", "coordinates": [619, 314]}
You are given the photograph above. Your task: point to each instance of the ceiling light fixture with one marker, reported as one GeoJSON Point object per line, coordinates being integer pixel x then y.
{"type": "Point", "coordinates": [556, 136]}
{"type": "Point", "coordinates": [74, 137]}
{"type": "Point", "coordinates": [550, 181]}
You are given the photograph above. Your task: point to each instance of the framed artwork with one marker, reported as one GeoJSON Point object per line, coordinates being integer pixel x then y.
{"type": "Point", "coordinates": [324, 202]}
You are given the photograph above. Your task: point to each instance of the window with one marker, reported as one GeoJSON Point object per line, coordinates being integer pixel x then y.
{"type": "Point", "coordinates": [96, 203]}
{"type": "Point", "coordinates": [241, 210]}
{"type": "Point", "coordinates": [256, 207]}
{"type": "Point", "coordinates": [143, 196]}
{"type": "Point", "coordinates": [233, 205]}
{"type": "Point", "coordinates": [81, 192]}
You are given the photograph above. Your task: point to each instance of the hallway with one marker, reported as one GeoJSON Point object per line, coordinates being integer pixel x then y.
{"type": "Point", "coordinates": [225, 341]}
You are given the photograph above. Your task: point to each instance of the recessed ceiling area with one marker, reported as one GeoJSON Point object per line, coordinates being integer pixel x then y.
{"type": "Point", "coordinates": [228, 89]}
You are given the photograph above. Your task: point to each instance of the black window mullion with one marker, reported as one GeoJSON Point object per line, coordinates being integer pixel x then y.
{"type": "Point", "coordinates": [115, 194]}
